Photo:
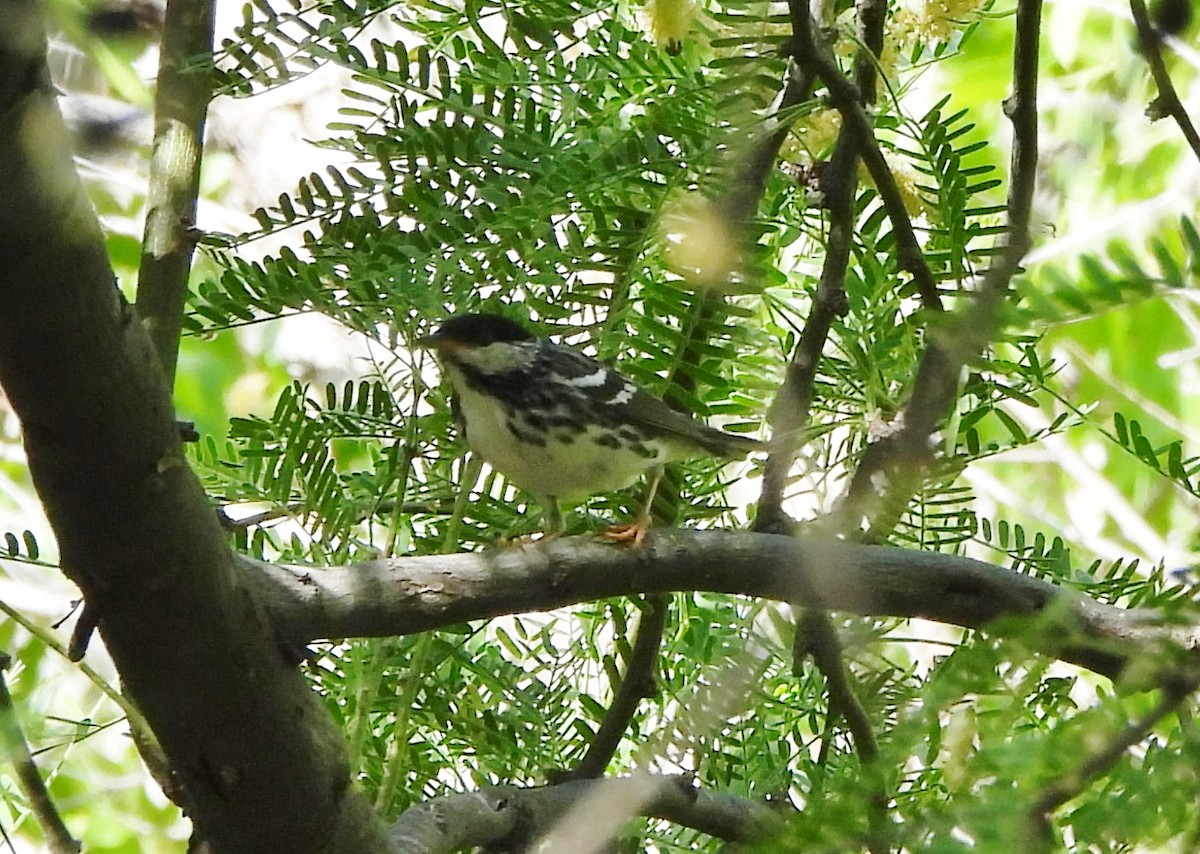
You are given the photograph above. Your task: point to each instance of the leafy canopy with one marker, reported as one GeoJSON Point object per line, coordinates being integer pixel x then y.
{"type": "Point", "coordinates": [558, 161]}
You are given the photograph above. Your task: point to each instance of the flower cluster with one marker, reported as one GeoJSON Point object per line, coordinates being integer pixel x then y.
{"type": "Point", "coordinates": [668, 22]}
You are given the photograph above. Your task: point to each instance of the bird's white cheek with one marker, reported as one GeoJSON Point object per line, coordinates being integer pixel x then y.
{"type": "Point", "coordinates": [497, 358]}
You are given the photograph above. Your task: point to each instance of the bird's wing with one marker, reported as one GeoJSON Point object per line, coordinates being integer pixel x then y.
{"type": "Point", "coordinates": [587, 376]}
{"type": "Point", "coordinates": [648, 411]}
{"type": "Point", "coordinates": [626, 403]}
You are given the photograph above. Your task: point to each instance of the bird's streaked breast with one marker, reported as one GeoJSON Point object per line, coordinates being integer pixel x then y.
{"type": "Point", "coordinates": [552, 450]}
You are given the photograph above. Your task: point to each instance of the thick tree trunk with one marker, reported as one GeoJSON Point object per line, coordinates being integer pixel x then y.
{"type": "Point", "coordinates": [260, 764]}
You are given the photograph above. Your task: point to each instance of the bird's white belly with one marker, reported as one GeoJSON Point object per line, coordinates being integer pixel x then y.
{"type": "Point", "coordinates": [568, 465]}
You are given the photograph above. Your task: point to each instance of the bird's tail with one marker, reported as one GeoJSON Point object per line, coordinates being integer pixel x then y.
{"type": "Point", "coordinates": [730, 445]}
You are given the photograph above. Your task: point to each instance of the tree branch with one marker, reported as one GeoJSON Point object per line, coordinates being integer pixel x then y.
{"type": "Point", "coordinates": [29, 779]}
{"type": "Point", "coordinates": [739, 202]}
{"type": "Point", "coordinates": [513, 818]}
{"type": "Point", "coordinates": [261, 765]}
{"type": "Point", "coordinates": [637, 684]}
{"type": "Point", "coordinates": [790, 410]}
{"type": "Point", "coordinates": [898, 460]}
{"type": "Point", "coordinates": [1073, 783]}
{"type": "Point", "coordinates": [1167, 103]}
{"type": "Point", "coordinates": [181, 104]}
{"type": "Point", "coordinates": [414, 594]}
{"type": "Point", "coordinates": [815, 633]}
{"type": "Point", "coordinates": [817, 636]}
{"type": "Point", "coordinates": [849, 98]}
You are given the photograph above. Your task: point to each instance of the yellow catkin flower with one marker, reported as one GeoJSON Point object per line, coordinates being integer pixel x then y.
{"type": "Point", "coordinates": [939, 19]}
{"type": "Point", "coordinates": [668, 22]}
{"type": "Point", "coordinates": [901, 32]}
{"type": "Point", "coordinates": [925, 22]}
{"type": "Point", "coordinates": [817, 131]}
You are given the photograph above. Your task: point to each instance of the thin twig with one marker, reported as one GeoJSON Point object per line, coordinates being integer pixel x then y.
{"type": "Point", "coordinates": [139, 728]}
{"type": "Point", "coordinates": [29, 779]}
{"type": "Point", "coordinates": [790, 410]}
{"type": "Point", "coordinates": [637, 684]}
{"type": "Point", "coordinates": [398, 753]}
{"type": "Point", "coordinates": [816, 636]}
{"type": "Point", "coordinates": [592, 825]}
{"type": "Point", "coordinates": [789, 413]}
{"type": "Point", "coordinates": [909, 255]}
{"type": "Point", "coordinates": [849, 98]}
{"type": "Point", "coordinates": [1167, 103]}
{"type": "Point", "coordinates": [1022, 111]}
{"type": "Point", "coordinates": [292, 510]}
{"type": "Point", "coordinates": [739, 203]}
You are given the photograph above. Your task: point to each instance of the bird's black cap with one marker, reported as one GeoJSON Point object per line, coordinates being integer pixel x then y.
{"type": "Point", "coordinates": [477, 330]}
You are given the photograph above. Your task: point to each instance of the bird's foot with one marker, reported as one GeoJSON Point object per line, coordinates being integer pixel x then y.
{"type": "Point", "coordinates": [631, 533]}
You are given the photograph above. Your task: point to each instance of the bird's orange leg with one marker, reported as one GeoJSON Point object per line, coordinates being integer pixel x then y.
{"type": "Point", "coordinates": [632, 533]}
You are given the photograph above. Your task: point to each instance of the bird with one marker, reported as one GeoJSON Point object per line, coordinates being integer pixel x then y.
{"type": "Point", "coordinates": [558, 423]}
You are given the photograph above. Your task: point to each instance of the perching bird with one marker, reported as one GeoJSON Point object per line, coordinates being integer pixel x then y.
{"type": "Point", "coordinates": [558, 423]}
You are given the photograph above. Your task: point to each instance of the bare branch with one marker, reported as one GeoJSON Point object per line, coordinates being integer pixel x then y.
{"type": "Point", "coordinates": [1022, 110]}
{"type": "Point", "coordinates": [1167, 103]}
{"type": "Point", "coordinates": [181, 104]}
{"type": "Point", "coordinates": [817, 636]}
{"type": "Point", "coordinates": [637, 684]}
{"type": "Point", "coordinates": [739, 203]}
{"type": "Point", "coordinates": [258, 757]}
{"type": "Point", "coordinates": [790, 411]}
{"type": "Point", "coordinates": [404, 595]}
{"type": "Point", "coordinates": [849, 99]}
{"type": "Point", "coordinates": [514, 817]}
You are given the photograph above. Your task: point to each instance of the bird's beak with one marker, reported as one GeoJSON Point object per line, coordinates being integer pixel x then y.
{"type": "Point", "coordinates": [436, 343]}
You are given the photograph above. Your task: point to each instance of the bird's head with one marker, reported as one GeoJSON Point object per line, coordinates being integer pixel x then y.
{"type": "Point", "coordinates": [487, 343]}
